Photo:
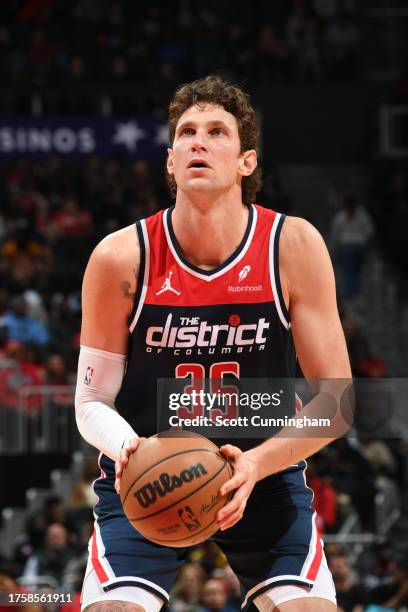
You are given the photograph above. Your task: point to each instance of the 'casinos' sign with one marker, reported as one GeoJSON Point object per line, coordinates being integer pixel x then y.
{"type": "Point", "coordinates": [130, 136]}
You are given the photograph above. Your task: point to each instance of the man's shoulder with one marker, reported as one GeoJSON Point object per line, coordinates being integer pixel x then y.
{"type": "Point", "coordinates": [301, 250]}
{"type": "Point", "coordinates": [300, 232]}
{"type": "Point", "coordinates": [118, 248]}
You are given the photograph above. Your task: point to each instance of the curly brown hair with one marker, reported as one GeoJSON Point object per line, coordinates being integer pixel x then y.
{"type": "Point", "coordinates": [215, 90]}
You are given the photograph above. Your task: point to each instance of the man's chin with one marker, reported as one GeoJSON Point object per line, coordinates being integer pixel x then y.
{"type": "Point", "coordinates": [198, 184]}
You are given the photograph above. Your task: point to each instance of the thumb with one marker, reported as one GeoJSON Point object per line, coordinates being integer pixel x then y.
{"type": "Point", "coordinates": [230, 451]}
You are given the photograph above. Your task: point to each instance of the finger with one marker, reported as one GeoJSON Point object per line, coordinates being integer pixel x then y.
{"type": "Point", "coordinates": [240, 499]}
{"type": "Point", "coordinates": [120, 463]}
{"type": "Point", "coordinates": [230, 451]}
{"type": "Point", "coordinates": [123, 459]}
{"type": "Point", "coordinates": [233, 483]}
{"type": "Point", "coordinates": [230, 509]}
{"type": "Point", "coordinates": [134, 443]}
{"type": "Point", "coordinates": [232, 519]}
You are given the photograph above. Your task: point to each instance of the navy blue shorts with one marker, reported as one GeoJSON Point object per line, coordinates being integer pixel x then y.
{"type": "Point", "coordinates": [275, 543]}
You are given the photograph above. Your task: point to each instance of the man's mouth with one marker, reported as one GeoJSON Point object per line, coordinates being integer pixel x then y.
{"type": "Point", "coordinates": [198, 163]}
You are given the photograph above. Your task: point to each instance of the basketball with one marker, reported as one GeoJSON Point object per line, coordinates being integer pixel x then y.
{"type": "Point", "coordinates": [170, 488]}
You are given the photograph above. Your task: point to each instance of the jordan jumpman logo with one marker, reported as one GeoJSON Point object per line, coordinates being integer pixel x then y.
{"type": "Point", "coordinates": [166, 286]}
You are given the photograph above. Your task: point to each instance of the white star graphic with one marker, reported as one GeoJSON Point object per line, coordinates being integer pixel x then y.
{"type": "Point", "coordinates": [162, 135]}
{"type": "Point", "coordinates": [128, 134]}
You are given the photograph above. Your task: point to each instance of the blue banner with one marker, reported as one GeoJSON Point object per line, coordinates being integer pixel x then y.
{"type": "Point", "coordinates": [137, 137]}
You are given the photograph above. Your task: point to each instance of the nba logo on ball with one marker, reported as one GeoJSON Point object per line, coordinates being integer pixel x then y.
{"type": "Point", "coordinates": [189, 519]}
{"type": "Point", "coordinates": [88, 375]}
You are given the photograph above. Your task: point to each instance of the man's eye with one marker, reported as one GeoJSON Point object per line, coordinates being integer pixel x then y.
{"type": "Point", "coordinates": [217, 131]}
{"type": "Point", "coordinates": [188, 131]}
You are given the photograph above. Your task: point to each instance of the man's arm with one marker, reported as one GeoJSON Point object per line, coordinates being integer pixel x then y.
{"type": "Point", "coordinates": [108, 291]}
{"type": "Point", "coordinates": [310, 293]}
{"type": "Point", "coordinates": [308, 287]}
{"type": "Point", "coordinates": [107, 299]}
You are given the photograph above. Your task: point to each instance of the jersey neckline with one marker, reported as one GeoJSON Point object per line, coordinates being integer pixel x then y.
{"type": "Point", "coordinates": [232, 260]}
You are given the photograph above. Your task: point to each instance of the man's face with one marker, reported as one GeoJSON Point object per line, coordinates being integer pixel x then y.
{"type": "Point", "coordinates": [214, 595]}
{"type": "Point", "coordinates": [206, 151]}
{"type": "Point", "coordinates": [339, 567]}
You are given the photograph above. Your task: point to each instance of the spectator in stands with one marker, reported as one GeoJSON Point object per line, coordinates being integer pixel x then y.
{"type": "Point", "coordinates": [341, 43]}
{"type": "Point", "coordinates": [231, 583]}
{"type": "Point", "coordinates": [27, 543]}
{"type": "Point", "coordinates": [5, 360]}
{"type": "Point", "coordinates": [21, 372]}
{"type": "Point", "coordinates": [71, 219]}
{"type": "Point", "coordinates": [54, 511]}
{"type": "Point", "coordinates": [301, 32]}
{"type": "Point", "coordinates": [351, 596]}
{"type": "Point", "coordinates": [82, 493]}
{"type": "Point", "coordinates": [187, 588]}
{"type": "Point", "coordinates": [208, 555]}
{"type": "Point", "coordinates": [380, 456]}
{"type": "Point", "coordinates": [64, 325]}
{"type": "Point", "coordinates": [35, 306]}
{"type": "Point", "coordinates": [77, 72]}
{"type": "Point", "coordinates": [41, 54]}
{"type": "Point", "coordinates": [214, 597]}
{"type": "Point", "coordinates": [56, 375]}
{"type": "Point", "coordinates": [52, 559]}
{"type": "Point", "coordinates": [56, 371]}
{"type": "Point", "coordinates": [352, 475]}
{"type": "Point", "coordinates": [325, 499]}
{"type": "Point", "coordinates": [273, 195]}
{"type": "Point", "coordinates": [384, 561]}
{"type": "Point", "coordinates": [271, 55]}
{"type": "Point", "coordinates": [364, 363]}
{"type": "Point", "coordinates": [22, 327]}
{"type": "Point", "coordinates": [351, 231]}
{"type": "Point", "coordinates": [391, 593]}
{"type": "Point", "coordinates": [357, 344]}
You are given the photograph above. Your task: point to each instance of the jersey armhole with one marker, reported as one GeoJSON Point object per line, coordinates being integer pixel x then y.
{"type": "Point", "coordinates": [143, 274]}
{"type": "Point", "coordinates": [274, 270]}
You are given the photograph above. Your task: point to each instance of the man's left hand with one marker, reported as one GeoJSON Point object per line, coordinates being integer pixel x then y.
{"type": "Point", "coordinates": [243, 481]}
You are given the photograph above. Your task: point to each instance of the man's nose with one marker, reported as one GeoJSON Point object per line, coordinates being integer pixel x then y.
{"type": "Point", "coordinates": [199, 141]}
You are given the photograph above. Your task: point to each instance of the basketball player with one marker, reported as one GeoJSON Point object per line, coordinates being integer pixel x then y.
{"type": "Point", "coordinates": [173, 271]}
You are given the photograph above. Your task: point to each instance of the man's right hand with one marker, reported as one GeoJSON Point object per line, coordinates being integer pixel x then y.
{"type": "Point", "coordinates": [123, 460]}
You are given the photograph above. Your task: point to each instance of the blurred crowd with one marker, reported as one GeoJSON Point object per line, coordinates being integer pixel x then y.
{"type": "Point", "coordinates": [52, 215]}
{"type": "Point", "coordinates": [158, 43]}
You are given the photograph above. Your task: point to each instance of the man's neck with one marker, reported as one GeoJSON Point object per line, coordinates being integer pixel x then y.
{"type": "Point", "coordinates": [209, 232]}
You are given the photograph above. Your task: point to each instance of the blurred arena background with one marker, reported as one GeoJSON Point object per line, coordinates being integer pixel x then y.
{"type": "Point", "coordinates": [84, 90]}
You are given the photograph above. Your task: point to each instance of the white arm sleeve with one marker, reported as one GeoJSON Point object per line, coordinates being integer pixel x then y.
{"type": "Point", "coordinates": [100, 375]}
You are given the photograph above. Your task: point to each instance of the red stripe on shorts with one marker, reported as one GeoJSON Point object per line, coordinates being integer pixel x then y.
{"type": "Point", "coordinates": [314, 568]}
{"type": "Point", "coordinates": [100, 572]}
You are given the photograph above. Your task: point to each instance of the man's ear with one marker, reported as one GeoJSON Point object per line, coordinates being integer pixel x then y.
{"type": "Point", "coordinates": [247, 162]}
{"type": "Point", "coordinates": [170, 161]}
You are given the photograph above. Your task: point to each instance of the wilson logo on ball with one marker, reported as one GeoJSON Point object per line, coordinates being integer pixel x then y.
{"type": "Point", "coordinates": [148, 494]}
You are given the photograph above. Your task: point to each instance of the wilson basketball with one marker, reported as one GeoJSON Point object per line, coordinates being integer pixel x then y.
{"type": "Point", "coordinates": [170, 488]}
